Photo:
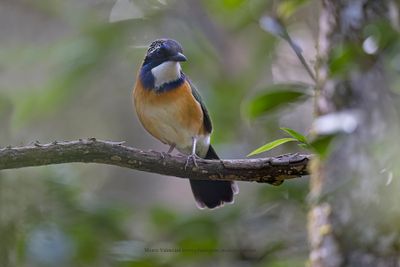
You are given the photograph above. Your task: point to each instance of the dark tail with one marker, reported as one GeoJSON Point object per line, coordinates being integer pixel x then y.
{"type": "Point", "coordinates": [212, 194]}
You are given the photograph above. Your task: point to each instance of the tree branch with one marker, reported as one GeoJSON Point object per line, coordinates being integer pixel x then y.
{"type": "Point", "coordinates": [272, 170]}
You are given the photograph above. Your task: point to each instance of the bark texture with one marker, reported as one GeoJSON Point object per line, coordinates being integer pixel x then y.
{"type": "Point", "coordinates": [354, 216]}
{"type": "Point", "coordinates": [272, 170]}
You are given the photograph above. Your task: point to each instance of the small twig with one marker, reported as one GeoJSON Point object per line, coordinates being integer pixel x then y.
{"type": "Point", "coordinates": [275, 26]}
{"type": "Point", "coordinates": [300, 56]}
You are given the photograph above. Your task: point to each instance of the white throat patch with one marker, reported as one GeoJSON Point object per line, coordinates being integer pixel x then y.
{"type": "Point", "coordinates": [168, 71]}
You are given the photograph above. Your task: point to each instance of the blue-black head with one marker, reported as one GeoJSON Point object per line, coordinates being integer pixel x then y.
{"type": "Point", "coordinates": [163, 50]}
{"type": "Point", "coordinates": [161, 70]}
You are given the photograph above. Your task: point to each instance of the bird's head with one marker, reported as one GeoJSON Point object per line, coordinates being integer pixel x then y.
{"type": "Point", "coordinates": [164, 50]}
{"type": "Point", "coordinates": [161, 64]}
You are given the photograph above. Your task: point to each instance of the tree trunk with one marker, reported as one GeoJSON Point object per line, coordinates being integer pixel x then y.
{"type": "Point", "coordinates": [354, 218]}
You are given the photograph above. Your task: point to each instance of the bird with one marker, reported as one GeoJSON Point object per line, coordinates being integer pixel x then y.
{"type": "Point", "coordinates": [171, 109]}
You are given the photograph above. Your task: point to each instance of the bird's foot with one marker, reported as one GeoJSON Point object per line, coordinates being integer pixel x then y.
{"type": "Point", "coordinates": [164, 155]}
{"type": "Point", "coordinates": [192, 157]}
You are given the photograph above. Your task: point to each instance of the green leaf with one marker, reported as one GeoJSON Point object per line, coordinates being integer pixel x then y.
{"type": "Point", "coordinates": [162, 217]}
{"type": "Point", "coordinates": [301, 138]}
{"type": "Point", "coordinates": [271, 145]}
{"type": "Point", "coordinates": [277, 96]}
{"type": "Point", "coordinates": [288, 7]}
{"type": "Point", "coordinates": [232, 4]}
{"type": "Point", "coordinates": [322, 145]}
{"type": "Point", "coordinates": [305, 146]}
{"type": "Point", "coordinates": [345, 58]}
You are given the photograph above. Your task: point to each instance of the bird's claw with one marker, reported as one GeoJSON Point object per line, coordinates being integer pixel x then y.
{"type": "Point", "coordinates": [193, 158]}
{"type": "Point", "coordinates": [164, 155]}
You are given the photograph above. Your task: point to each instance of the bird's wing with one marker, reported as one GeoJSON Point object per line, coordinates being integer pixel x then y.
{"type": "Point", "coordinates": [206, 116]}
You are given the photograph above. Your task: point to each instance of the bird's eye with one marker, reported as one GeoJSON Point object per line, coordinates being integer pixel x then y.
{"type": "Point", "coordinates": [163, 48]}
{"type": "Point", "coordinates": [162, 51]}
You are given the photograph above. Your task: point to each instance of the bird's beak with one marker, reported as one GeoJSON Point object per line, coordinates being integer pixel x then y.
{"type": "Point", "coordinates": [178, 57]}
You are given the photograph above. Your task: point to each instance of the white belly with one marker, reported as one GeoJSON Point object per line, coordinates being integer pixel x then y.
{"type": "Point", "coordinates": [202, 145]}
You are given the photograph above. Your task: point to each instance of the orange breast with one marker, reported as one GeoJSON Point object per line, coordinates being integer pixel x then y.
{"type": "Point", "coordinates": [173, 117]}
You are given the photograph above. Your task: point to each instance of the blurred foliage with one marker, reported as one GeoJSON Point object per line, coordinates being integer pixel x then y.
{"type": "Point", "coordinates": [276, 96]}
{"type": "Point", "coordinates": [321, 145]}
{"type": "Point", "coordinates": [74, 61]}
{"type": "Point", "coordinates": [55, 229]}
{"type": "Point", "coordinates": [287, 8]}
{"type": "Point", "coordinates": [345, 59]}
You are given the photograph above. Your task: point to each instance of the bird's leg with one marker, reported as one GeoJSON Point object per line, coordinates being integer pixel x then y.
{"type": "Point", "coordinates": [171, 148]}
{"type": "Point", "coordinates": [193, 155]}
